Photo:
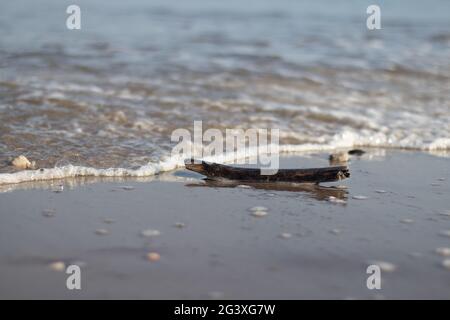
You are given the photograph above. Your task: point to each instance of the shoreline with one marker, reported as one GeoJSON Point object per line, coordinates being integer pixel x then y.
{"type": "Point", "coordinates": [313, 243]}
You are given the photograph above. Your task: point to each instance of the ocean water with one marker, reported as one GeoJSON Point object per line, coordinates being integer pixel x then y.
{"type": "Point", "coordinates": [105, 99]}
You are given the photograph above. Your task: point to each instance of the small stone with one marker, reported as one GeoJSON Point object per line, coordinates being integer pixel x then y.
{"type": "Point", "coordinates": [407, 221]}
{"type": "Point", "coordinates": [259, 213]}
{"type": "Point", "coordinates": [243, 186]}
{"type": "Point", "coordinates": [57, 266]}
{"type": "Point", "coordinates": [385, 266]}
{"type": "Point", "coordinates": [356, 152]}
{"type": "Point", "coordinates": [101, 232]}
{"type": "Point", "coordinates": [286, 235]}
{"type": "Point", "coordinates": [150, 233]}
{"type": "Point", "coordinates": [339, 157]}
{"type": "Point", "coordinates": [258, 208]}
{"type": "Point", "coordinates": [128, 188]}
{"type": "Point", "coordinates": [360, 197]}
{"type": "Point", "coordinates": [445, 233]}
{"type": "Point", "coordinates": [443, 251]}
{"type": "Point", "coordinates": [380, 191]}
{"type": "Point", "coordinates": [441, 179]}
{"type": "Point", "coordinates": [179, 225]}
{"type": "Point", "coordinates": [21, 162]}
{"type": "Point", "coordinates": [153, 256]}
{"type": "Point", "coordinates": [49, 213]}
{"type": "Point", "coordinates": [335, 231]}
{"type": "Point", "coordinates": [446, 264]}
{"type": "Point", "coordinates": [336, 200]}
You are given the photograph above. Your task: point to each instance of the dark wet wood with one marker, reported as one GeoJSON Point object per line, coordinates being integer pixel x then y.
{"type": "Point", "coordinates": [312, 175]}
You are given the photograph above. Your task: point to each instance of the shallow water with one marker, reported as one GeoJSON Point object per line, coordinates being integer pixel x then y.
{"type": "Point", "coordinates": [110, 94]}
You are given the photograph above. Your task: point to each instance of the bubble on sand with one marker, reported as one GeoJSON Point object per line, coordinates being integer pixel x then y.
{"type": "Point", "coordinates": [286, 235]}
{"type": "Point", "coordinates": [101, 232]}
{"type": "Point", "coordinates": [443, 251]}
{"type": "Point", "coordinates": [360, 197]}
{"type": "Point", "coordinates": [57, 266]}
{"type": "Point", "coordinates": [407, 221]}
{"type": "Point", "coordinates": [150, 233]}
{"type": "Point", "coordinates": [153, 256]}
{"type": "Point", "coordinates": [336, 231]}
{"type": "Point", "coordinates": [384, 265]}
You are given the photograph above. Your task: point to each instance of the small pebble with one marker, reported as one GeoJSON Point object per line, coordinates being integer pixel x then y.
{"type": "Point", "coordinates": [128, 188]}
{"type": "Point", "coordinates": [57, 266]}
{"type": "Point", "coordinates": [243, 186]}
{"type": "Point", "coordinates": [179, 225]}
{"type": "Point", "coordinates": [101, 232]}
{"type": "Point", "coordinates": [335, 231]}
{"type": "Point", "coordinates": [49, 213]}
{"type": "Point", "coordinates": [356, 152]}
{"type": "Point", "coordinates": [407, 221]}
{"type": "Point", "coordinates": [339, 157]}
{"type": "Point", "coordinates": [153, 256]}
{"type": "Point", "coordinates": [441, 179]}
{"type": "Point", "coordinates": [360, 197]}
{"type": "Point", "coordinates": [286, 235]}
{"type": "Point", "coordinates": [443, 251]}
{"type": "Point", "coordinates": [259, 213]}
{"type": "Point", "coordinates": [336, 200]}
{"type": "Point", "coordinates": [150, 233]}
{"type": "Point", "coordinates": [385, 266]}
{"type": "Point", "coordinates": [21, 162]}
{"type": "Point", "coordinates": [380, 191]}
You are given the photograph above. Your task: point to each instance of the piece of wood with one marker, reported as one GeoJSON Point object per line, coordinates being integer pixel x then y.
{"type": "Point", "coordinates": [312, 175]}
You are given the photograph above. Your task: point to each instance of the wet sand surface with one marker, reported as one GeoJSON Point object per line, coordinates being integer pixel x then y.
{"type": "Point", "coordinates": [211, 246]}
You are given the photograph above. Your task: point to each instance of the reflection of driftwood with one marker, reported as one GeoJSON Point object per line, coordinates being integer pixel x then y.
{"type": "Point", "coordinates": [314, 190]}
{"type": "Point", "coordinates": [315, 175]}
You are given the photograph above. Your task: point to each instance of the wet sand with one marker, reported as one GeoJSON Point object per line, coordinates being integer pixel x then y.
{"type": "Point", "coordinates": [211, 246]}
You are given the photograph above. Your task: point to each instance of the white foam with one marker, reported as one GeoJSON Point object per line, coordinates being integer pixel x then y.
{"type": "Point", "coordinates": [346, 139]}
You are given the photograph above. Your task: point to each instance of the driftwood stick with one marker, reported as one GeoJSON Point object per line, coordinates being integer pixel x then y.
{"type": "Point", "coordinates": [313, 175]}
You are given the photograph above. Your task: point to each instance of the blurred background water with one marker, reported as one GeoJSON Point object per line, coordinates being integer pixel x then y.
{"type": "Point", "coordinates": [110, 94]}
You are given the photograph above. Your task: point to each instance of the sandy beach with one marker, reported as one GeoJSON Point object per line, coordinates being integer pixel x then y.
{"type": "Point", "coordinates": [313, 243]}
